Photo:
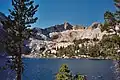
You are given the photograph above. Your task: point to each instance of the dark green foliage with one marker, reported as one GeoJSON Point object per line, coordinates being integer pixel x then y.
{"type": "Point", "coordinates": [105, 27]}
{"type": "Point", "coordinates": [94, 50]}
{"type": "Point", "coordinates": [79, 77]}
{"type": "Point", "coordinates": [60, 52]}
{"type": "Point", "coordinates": [65, 74]}
{"type": "Point", "coordinates": [76, 42]}
{"type": "Point", "coordinates": [116, 0]}
{"type": "Point", "coordinates": [115, 39]}
{"type": "Point", "coordinates": [82, 50]}
{"type": "Point", "coordinates": [117, 13]}
{"type": "Point", "coordinates": [109, 17]}
{"type": "Point", "coordinates": [108, 47]}
{"type": "Point", "coordinates": [110, 44]}
{"type": "Point", "coordinates": [68, 51]}
{"type": "Point", "coordinates": [110, 21]}
{"type": "Point", "coordinates": [16, 27]}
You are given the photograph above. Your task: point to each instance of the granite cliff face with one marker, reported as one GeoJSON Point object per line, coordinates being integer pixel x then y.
{"type": "Point", "coordinates": [68, 32]}
{"type": "Point", "coordinates": [43, 34]}
{"type": "Point", "coordinates": [51, 38]}
{"type": "Point", "coordinates": [56, 37]}
{"type": "Point", "coordinates": [80, 33]}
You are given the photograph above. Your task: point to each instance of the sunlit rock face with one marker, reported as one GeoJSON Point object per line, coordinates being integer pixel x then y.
{"type": "Point", "coordinates": [62, 36]}
{"type": "Point", "coordinates": [54, 36]}
{"type": "Point", "coordinates": [44, 34]}
{"type": "Point", "coordinates": [68, 32]}
{"type": "Point", "coordinates": [90, 32]}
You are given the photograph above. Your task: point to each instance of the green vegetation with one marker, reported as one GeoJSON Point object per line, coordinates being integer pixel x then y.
{"type": "Point", "coordinates": [108, 47]}
{"type": "Point", "coordinates": [21, 18]}
{"type": "Point", "coordinates": [79, 77]}
{"type": "Point", "coordinates": [16, 27]}
{"type": "Point", "coordinates": [94, 50]}
{"type": "Point", "coordinates": [65, 74]}
{"type": "Point", "coordinates": [111, 43]}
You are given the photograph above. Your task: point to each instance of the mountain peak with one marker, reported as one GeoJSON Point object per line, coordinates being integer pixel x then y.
{"type": "Point", "coordinates": [94, 25]}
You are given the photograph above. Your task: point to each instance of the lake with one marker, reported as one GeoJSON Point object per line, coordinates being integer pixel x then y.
{"type": "Point", "coordinates": [45, 69]}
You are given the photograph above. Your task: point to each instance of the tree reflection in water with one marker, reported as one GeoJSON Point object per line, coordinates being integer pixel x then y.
{"type": "Point", "coordinates": [117, 69]}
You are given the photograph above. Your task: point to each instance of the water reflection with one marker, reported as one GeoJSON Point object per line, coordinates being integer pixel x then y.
{"type": "Point", "coordinates": [6, 74]}
{"type": "Point", "coordinates": [45, 69]}
{"type": "Point", "coordinates": [116, 69]}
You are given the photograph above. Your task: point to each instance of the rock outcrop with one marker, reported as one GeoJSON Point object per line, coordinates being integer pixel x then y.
{"type": "Point", "coordinates": [51, 38]}
{"type": "Point", "coordinates": [69, 35]}
{"type": "Point", "coordinates": [63, 36]}
{"type": "Point", "coordinates": [43, 34]}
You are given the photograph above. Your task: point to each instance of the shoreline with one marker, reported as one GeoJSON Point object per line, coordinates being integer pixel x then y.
{"type": "Point", "coordinates": [88, 58]}
{"type": "Point", "coordinates": [74, 57]}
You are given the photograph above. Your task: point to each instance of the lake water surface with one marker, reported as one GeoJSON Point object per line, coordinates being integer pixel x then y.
{"type": "Point", "coordinates": [45, 69]}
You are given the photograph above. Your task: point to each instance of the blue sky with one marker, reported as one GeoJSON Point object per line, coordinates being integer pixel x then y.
{"type": "Point", "coordinates": [82, 12]}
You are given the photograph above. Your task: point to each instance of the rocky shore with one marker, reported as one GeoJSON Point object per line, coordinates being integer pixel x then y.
{"type": "Point", "coordinates": [73, 57]}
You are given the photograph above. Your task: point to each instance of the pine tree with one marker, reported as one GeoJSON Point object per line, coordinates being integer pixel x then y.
{"type": "Point", "coordinates": [112, 26]}
{"type": "Point", "coordinates": [79, 77]}
{"type": "Point", "coordinates": [17, 28]}
{"type": "Point", "coordinates": [64, 73]}
{"type": "Point", "coordinates": [117, 13]}
{"type": "Point", "coordinates": [113, 18]}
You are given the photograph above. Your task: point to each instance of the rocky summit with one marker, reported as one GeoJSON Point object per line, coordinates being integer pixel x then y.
{"type": "Point", "coordinates": [52, 38]}
{"type": "Point", "coordinates": [63, 35]}
{"type": "Point", "coordinates": [68, 32]}
{"type": "Point", "coordinates": [44, 34]}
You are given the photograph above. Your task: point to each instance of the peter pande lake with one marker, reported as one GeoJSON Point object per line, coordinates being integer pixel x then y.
{"type": "Point", "coordinates": [46, 69]}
